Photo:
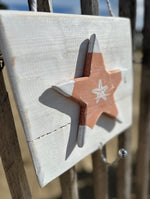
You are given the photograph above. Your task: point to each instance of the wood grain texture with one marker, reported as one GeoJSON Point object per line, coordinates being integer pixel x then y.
{"type": "Point", "coordinates": [9, 149]}
{"type": "Point", "coordinates": [89, 7]}
{"type": "Point", "coordinates": [143, 155]}
{"type": "Point", "coordinates": [38, 58]}
{"type": "Point", "coordinates": [69, 184]}
{"type": "Point", "coordinates": [126, 9]}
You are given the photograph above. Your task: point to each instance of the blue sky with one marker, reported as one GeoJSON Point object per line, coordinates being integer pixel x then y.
{"type": "Point", "coordinates": [73, 7]}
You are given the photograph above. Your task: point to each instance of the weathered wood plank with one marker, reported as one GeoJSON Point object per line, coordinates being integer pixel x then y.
{"type": "Point", "coordinates": [143, 155]}
{"type": "Point", "coordinates": [69, 184]}
{"type": "Point", "coordinates": [100, 176]}
{"type": "Point", "coordinates": [127, 8]}
{"type": "Point", "coordinates": [52, 55]}
{"type": "Point", "coordinates": [89, 7]}
{"type": "Point", "coordinates": [9, 149]}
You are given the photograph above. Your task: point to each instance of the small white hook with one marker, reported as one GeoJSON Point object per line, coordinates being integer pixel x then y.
{"type": "Point", "coordinates": [122, 153]}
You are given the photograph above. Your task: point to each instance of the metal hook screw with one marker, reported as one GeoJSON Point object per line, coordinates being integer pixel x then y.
{"type": "Point", "coordinates": [122, 153]}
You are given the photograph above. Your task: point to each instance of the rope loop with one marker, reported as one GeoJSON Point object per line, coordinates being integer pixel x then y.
{"type": "Point", "coordinates": [109, 8]}
{"type": "Point", "coordinates": [32, 5]}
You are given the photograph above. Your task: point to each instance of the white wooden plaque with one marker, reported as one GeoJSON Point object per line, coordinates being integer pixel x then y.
{"type": "Point", "coordinates": [40, 50]}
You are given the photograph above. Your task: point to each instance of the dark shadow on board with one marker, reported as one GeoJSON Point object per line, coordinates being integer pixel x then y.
{"type": "Point", "coordinates": [53, 99]}
{"type": "Point", "coordinates": [56, 101]}
{"type": "Point", "coordinates": [104, 120]}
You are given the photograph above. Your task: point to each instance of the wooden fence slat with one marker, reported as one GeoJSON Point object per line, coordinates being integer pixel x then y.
{"type": "Point", "coordinates": [143, 155]}
{"type": "Point", "coordinates": [127, 8]}
{"type": "Point", "coordinates": [44, 6]}
{"type": "Point", "coordinates": [91, 7]}
{"type": "Point", "coordinates": [124, 167]}
{"type": "Point", "coordinates": [69, 184]}
{"type": "Point", "coordinates": [9, 149]}
{"type": "Point", "coordinates": [40, 5]}
{"type": "Point", "coordinates": [100, 174]}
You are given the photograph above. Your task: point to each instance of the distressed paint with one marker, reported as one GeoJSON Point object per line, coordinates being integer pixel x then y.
{"type": "Point", "coordinates": [47, 52]}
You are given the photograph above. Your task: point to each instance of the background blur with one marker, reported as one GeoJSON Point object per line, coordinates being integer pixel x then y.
{"type": "Point", "coordinates": [84, 168]}
{"type": "Point", "coordinates": [73, 6]}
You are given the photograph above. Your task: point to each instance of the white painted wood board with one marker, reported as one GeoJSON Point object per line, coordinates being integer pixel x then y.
{"type": "Point", "coordinates": [43, 49]}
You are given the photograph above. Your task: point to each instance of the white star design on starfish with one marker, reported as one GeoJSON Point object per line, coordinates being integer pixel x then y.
{"type": "Point", "coordinates": [100, 91]}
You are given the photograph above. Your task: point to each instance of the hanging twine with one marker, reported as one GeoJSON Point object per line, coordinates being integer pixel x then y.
{"type": "Point", "coordinates": [109, 8]}
{"type": "Point", "coordinates": [32, 5]}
